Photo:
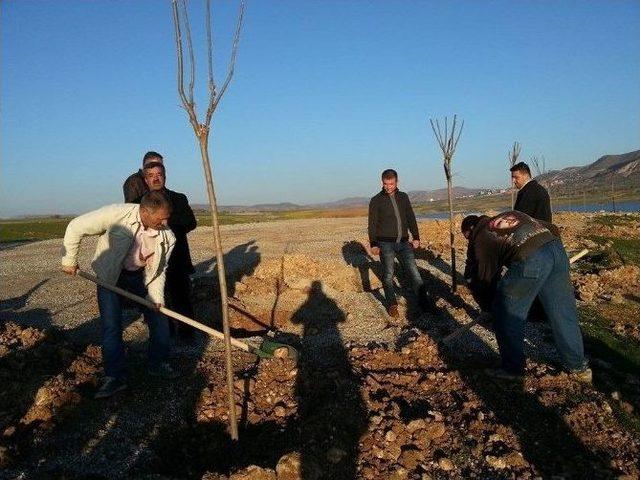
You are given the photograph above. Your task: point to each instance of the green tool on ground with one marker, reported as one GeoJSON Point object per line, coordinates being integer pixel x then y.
{"type": "Point", "coordinates": [269, 348]}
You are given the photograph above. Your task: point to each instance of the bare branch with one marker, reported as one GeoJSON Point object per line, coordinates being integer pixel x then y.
{"type": "Point", "coordinates": [514, 153]}
{"type": "Point", "coordinates": [180, 70]}
{"type": "Point", "coordinates": [192, 70]}
{"type": "Point", "coordinates": [448, 143]}
{"type": "Point", "coordinates": [212, 83]}
{"type": "Point", "coordinates": [537, 165]}
{"type": "Point", "coordinates": [455, 144]}
{"type": "Point", "coordinates": [232, 66]}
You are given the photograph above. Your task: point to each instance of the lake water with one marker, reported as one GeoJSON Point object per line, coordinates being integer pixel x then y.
{"type": "Point", "coordinates": [621, 207]}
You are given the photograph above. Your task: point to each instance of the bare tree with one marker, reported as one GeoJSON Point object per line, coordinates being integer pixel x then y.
{"type": "Point", "coordinates": [448, 141]}
{"type": "Point", "coordinates": [201, 130]}
{"type": "Point", "coordinates": [513, 155]}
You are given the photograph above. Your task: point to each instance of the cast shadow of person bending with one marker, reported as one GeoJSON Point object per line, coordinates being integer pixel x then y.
{"type": "Point", "coordinates": [546, 440]}
{"type": "Point", "coordinates": [355, 254]}
{"type": "Point", "coordinates": [331, 411]}
{"type": "Point", "coordinates": [437, 262]}
{"type": "Point", "coordinates": [240, 261]}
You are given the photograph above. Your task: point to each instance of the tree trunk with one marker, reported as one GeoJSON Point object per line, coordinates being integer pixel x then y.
{"type": "Point", "coordinates": [222, 279]}
{"type": "Point", "coordinates": [454, 279]}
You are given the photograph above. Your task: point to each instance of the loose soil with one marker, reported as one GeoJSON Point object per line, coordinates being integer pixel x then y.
{"type": "Point", "coordinates": [370, 396]}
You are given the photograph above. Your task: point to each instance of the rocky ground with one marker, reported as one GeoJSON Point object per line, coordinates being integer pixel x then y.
{"type": "Point", "coordinates": [370, 396]}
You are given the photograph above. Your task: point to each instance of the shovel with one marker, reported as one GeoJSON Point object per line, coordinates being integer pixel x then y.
{"type": "Point", "coordinates": [267, 349]}
{"type": "Point", "coordinates": [485, 316]}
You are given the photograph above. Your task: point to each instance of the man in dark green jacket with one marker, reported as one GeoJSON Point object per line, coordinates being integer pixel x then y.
{"type": "Point", "coordinates": [391, 218]}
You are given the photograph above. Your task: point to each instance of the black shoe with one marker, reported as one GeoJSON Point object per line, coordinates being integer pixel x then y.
{"type": "Point", "coordinates": [110, 386]}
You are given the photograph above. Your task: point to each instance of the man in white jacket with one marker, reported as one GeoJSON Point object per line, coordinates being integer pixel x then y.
{"type": "Point", "coordinates": [132, 252]}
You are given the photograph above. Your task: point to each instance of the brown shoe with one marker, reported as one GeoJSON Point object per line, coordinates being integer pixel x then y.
{"type": "Point", "coordinates": [392, 310]}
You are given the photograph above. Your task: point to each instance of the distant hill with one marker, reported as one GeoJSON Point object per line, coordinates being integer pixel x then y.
{"type": "Point", "coordinates": [623, 170]}
{"type": "Point", "coordinates": [416, 196]}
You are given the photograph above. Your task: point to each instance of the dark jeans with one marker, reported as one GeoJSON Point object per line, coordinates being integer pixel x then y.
{"type": "Point", "coordinates": [109, 304]}
{"type": "Point", "coordinates": [404, 252]}
{"type": "Point", "coordinates": [544, 273]}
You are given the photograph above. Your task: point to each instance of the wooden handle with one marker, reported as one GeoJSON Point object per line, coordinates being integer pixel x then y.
{"type": "Point", "coordinates": [456, 333]}
{"type": "Point", "coordinates": [578, 256]}
{"type": "Point", "coordinates": [166, 311]}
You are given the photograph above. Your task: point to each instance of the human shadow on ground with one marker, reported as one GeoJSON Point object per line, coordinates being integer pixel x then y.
{"type": "Point", "coordinates": [240, 261]}
{"type": "Point", "coordinates": [546, 440]}
{"type": "Point", "coordinates": [437, 262]}
{"type": "Point", "coordinates": [356, 255]}
{"type": "Point", "coordinates": [330, 416]}
{"type": "Point", "coordinates": [331, 410]}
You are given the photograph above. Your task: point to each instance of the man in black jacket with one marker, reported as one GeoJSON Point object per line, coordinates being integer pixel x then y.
{"type": "Point", "coordinates": [134, 186]}
{"type": "Point", "coordinates": [533, 199]}
{"type": "Point", "coordinates": [391, 217]}
{"type": "Point", "coordinates": [181, 222]}
{"type": "Point", "coordinates": [537, 264]}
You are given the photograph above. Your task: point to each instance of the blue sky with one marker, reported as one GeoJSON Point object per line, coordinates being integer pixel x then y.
{"type": "Point", "coordinates": [326, 95]}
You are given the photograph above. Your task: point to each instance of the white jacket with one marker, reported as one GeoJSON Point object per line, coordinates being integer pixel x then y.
{"type": "Point", "coordinates": [117, 226]}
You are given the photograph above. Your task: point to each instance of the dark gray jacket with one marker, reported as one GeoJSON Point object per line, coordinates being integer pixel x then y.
{"type": "Point", "coordinates": [386, 224]}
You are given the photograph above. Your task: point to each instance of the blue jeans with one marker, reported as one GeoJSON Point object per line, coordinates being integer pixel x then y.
{"type": "Point", "coordinates": [544, 273]}
{"type": "Point", "coordinates": [404, 252]}
{"type": "Point", "coordinates": [109, 304]}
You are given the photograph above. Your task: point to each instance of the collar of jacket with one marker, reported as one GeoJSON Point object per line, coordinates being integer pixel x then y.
{"type": "Point", "coordinates": [136, 218]}
{"type": "Point", "coordinates": [528, 182]}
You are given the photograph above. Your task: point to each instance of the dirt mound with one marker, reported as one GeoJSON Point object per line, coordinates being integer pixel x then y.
{"type": "Point", "coordinates": [608, 284]}
{"type": "Point", "coordinates": [26, 407]}
{"type": "Point", "coordinates": [419, 418]}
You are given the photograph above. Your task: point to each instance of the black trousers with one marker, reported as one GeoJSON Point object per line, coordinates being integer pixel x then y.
{"type": "Point", "coordinates": [177, 292]}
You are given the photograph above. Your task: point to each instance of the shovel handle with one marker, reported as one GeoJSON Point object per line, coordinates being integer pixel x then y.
{"type": "Point", "coordinates": [578, 256]}
{"type": "Point", "coordinates": [459, 331]}
{"type": "Point", "coordinates": [166, 311]}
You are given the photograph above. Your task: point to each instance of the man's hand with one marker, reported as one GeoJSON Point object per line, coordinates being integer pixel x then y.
{"type": "Point", "coordinates": [70, 270]}
{"type": "Point", "coordinates": [158, 306]}
{"type": "Point", "coordinates": [375, 251]}
{"type": "Point", "coordinates": [415, 244]}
